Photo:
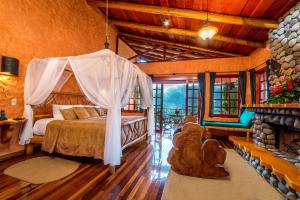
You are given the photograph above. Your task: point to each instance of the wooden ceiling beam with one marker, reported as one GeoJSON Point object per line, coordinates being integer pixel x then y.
{"type": "Point", "coordinates": [184, 32]}
{"type": "Point", "coordinates": [153, 57]}
{"type": "Point", "coordinates": [147, 51]}
{"type": "Point", "coordinates": [188, 13]}
{"type": "Point", "coordinates": [174, 44]}
{"type": "Point", "coordinates": [159, 52]}
{"type": "Point", "coordinates": [174, 52]}
{"type": "Point", "coordinates": [168, 51]}
{"type": "Point", "coordinates": [178, 55]}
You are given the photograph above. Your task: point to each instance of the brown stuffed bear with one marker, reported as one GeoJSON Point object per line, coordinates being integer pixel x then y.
{"type": "Point", "coordinates": [191, 157]}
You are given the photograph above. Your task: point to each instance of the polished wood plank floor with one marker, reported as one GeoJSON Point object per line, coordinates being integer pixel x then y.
{"type": "Point", "coordinates": [142, 175]}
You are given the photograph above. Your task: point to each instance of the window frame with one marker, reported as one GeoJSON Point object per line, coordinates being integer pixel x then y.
{"type": "Point", "coordinates": [229, 99]}
{"type": "Point", "coordinates": [194, 99]}
{"type": "Point", "coordinates": [258, 83]}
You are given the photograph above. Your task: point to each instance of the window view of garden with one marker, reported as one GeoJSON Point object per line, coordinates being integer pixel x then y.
{"type": "Point", "coordinates": [226, 96]}
{"type": "Point", "coordinates": [174, 104]}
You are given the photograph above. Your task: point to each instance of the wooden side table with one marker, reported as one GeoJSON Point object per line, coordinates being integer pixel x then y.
{"type": "Point", "coordinates": [6, 128]}
{"type": "Point", "coordinates": [10, 131]}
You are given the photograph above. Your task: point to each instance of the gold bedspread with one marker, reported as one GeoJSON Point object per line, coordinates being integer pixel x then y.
{"type": "Point", "coordinates": [86, 137]}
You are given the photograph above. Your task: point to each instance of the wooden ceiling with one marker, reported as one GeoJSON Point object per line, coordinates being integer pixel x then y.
{"type": "Point", "coordinates": [243, 26]}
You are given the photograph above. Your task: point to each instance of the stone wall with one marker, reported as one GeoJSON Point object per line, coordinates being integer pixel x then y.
{"type": "Point", "coordinates": [285, 44]}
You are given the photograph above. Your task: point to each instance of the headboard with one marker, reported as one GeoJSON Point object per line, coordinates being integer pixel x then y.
{"type": "Point", "coordinates": [62, 98]}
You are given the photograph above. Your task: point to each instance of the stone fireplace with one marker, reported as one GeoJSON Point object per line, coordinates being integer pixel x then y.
{"type": "Point", "coordinates": [278, 129]}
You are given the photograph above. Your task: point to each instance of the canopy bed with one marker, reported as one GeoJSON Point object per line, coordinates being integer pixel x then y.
{"type": "Point", "coordinates": [107, 81]}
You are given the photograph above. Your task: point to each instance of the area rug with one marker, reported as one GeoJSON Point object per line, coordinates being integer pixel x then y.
{"type": "Point", "coordinates": [243, 184]}
{"type": "Point", "coordinates": [42, 169]}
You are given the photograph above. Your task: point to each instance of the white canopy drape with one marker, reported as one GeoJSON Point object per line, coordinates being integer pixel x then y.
{"type": "Point", "coordinates": [106, 79]}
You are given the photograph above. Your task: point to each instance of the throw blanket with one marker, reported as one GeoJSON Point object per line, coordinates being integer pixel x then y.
{"type": "Point", "coordinates": [79, 137]}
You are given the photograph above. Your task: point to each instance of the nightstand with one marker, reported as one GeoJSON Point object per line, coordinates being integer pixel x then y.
{"type": "Point", "coordinates": [7, 129]}
{"type": "Point", "coordinates": [10, 131]}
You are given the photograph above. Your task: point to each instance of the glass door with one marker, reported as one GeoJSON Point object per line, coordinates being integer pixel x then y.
{"type": "Point", "coordinates": [158, 89]}
{"type": "Point", "coordinates": [193, 98]}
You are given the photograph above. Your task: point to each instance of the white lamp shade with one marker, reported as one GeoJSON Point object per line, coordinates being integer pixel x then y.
{"type": "Point", "coordinates": [208, 32]}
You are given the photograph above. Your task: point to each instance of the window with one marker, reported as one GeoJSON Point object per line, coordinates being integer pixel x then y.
{"type": "Point", "coordinates": [134, 101]}
{"type": "Point", "coordinates": [226, 96]}
{"type": "Point", "coordinates": [261, 85]}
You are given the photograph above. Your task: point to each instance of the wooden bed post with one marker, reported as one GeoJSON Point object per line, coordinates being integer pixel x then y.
{"type": "Point", "coordinates": [29, 149]}
{"type": "Point", "coordinates": [148, 139]}
{"type": "Point", "coordinates": [112, 169]}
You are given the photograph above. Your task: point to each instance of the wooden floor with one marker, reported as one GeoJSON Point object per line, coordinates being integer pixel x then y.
{"type": "Point", "coordinates": [141, 176]}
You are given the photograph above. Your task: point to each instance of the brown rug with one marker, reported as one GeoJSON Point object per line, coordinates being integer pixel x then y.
{"type": "Point", "coordinates": [42, 169]}
{"type": "Point", "coordinates": [244, 183]}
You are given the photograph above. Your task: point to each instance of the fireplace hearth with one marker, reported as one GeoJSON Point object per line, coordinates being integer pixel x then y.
{"type": "Point", "coordinates": [277, 128]}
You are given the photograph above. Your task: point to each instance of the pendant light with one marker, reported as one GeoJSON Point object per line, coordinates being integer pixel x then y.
{"type": "Point", "coordinates": [207, 31]}
{"type": "Point", "coordinates": [106, 43]}
{"type": "Point", "coordinates": [166, 22]}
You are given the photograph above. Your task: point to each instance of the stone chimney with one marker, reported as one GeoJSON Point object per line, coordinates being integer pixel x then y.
{"type": "Point", "coordinates": [285, 44]}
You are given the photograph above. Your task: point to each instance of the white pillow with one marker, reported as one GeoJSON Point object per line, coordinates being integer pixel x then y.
{"type": "Point", "coordinates": [56, 110]}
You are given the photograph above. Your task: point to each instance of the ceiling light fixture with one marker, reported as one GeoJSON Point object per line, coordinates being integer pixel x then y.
{"type": "Point", "coordinates": [207, 31]}
{"type": "Point", "coordinates": [166, 22]}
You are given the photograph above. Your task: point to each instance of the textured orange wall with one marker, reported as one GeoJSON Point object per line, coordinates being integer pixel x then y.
{"type": "Point", "coordinates": [196, 66]}
{"type": "Point", "coordinates": [124, 50]}
{"type": "Point", "coordinates": [46, 28]}
{"type": "Point", "coordinates": [259, 57]}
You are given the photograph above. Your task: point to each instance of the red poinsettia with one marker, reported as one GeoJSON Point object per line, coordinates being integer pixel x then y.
{"type": "Point", "coordinates": [290, 85]}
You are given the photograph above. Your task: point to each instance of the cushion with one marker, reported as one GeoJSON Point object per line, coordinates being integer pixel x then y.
{"type": "Point", "coordinates": [68, 114]}
{"type": "Point", "coordinates": [81, 113]}
{"type": "Point", "coordinates": [92, 111]}
{"type": "Point", "coordinates": [225, 124]}
{"type": "Point", "coordinates": [101, 111]}
{"type": "Point", "coordinates": [56, 110]}
{"type": "Point", "coordinates": [246, 118]}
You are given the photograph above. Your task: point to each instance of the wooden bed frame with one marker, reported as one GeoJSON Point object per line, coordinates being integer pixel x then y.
{"type": "Point", "coordinates": [66, 98]}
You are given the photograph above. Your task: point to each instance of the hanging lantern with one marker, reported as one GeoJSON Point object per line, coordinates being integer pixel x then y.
{"type": "Point", "coordinates": [208, 31]}
{"type": "Point", "coordinates": [166, 22]}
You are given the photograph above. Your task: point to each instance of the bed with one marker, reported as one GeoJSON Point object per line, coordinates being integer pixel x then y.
{"type": "Point", "coordinates": [65, 136]}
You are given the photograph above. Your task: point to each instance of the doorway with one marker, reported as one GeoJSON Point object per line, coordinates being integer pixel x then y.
{"type": "Point", "coordinates": [173, 100]}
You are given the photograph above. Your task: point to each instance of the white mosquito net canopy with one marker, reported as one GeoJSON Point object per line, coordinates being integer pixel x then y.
{"type": "Point", "coordinates": [105, 78]}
